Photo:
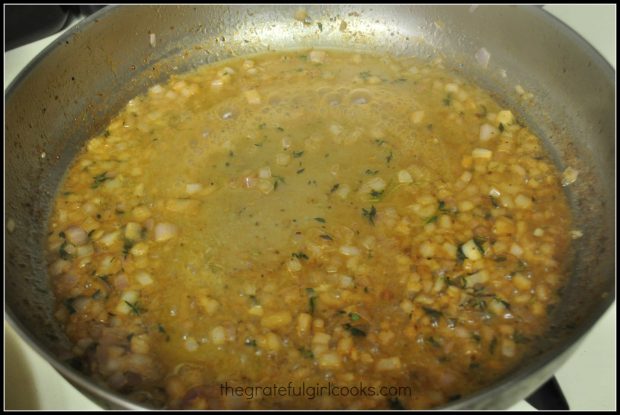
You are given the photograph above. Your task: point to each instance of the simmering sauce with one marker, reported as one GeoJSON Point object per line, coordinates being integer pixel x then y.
{"type": "Point", "coordinates": [308, 219]}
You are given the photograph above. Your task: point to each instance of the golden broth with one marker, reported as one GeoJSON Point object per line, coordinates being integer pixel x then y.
{"type": "Point", "coordinates": [314, 217]}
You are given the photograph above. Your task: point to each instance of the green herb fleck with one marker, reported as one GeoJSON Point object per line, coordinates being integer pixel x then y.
{"type": "Point", "coordinates": [354, 330]}
{"type": "Point", "coordinates": [250, 342]}
{"type": "Point", "coordinates": [494, 202]}
{"type": "Point", "coordinates": [299, 255]}
{"type": "Point", "coordinates": [376, 195]}
{"type": "Point", "coordinates": [389, 157]}
{"type": "Point", "coordinates": [432, 219]}
{"type": "Point", "coordinates": [365, 74]}
{"type": "Point", "coordinates": [477, 303]}
{"type": "Point", "coordinates": [300, 171]}
{"type": "Point", "coordinates": [127, 245]}
{"type": "Point", "coordinates": [306, 353]}
{"type": "Point", "coordinates": [370, 214]}
{"type": "Point", "coordinates": [447, 100]}
{"type": "Point", "coordinates": [371, 172]}
{"type": "Point", "coordinates": [106, 133]}
{"type": "Point", "coordinates": [62, 251]}
{"type": "Point", "coordinates": [431, 340]}
{"type": "Point", "coordinates": [99, 179]}
{"type": "Point", "coordinates": [320, 25]}
{"type": "Point", "coordinates": [493, 345]}
{"type": "Point", "coordinates": [460, 256]}
{"type": "Point", "coordinates": [479, 241]}
{"type": "Point", "coordinates": [104, 278]}
{"type": "Point", "coordinates": [311, 299]}
{"type": "Point", "coordinates": [431, 312]}
{"type": "Point", "coordinates": [442, 207]}
{"type": "Point", "coordinates": [320, 220]}
{"type": "Point", "coordinates": [354, 316]}
{"type": "Point", "coordinates": [68, 303]}
{"type": "Point", "coordinates": [297, 154]}
{"type": "Point", "coordinates": [135, 309]}
{"type": "Point", "coordinates": [334, 188]}
{"type": "Point", "coordinates": [501, 127]}
{"type": "Point", "coordinates": [459, 281]}
{"type": "Point", "coordinates": [326, 237]}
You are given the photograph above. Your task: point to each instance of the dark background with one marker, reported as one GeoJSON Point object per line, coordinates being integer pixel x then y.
{"type": "Point", "coordinates": [28, 23]}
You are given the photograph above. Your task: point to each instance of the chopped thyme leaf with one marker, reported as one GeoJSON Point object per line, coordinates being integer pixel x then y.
{"type": "Point", "coordinates": [494, 202]}
{"type": "Point", "coordinates": [297, 154]}
{"type": "Point", "coordinates": [306, 353]}
{"type": "Point", "coordinates": [354, 316]}
{"type": "Point", "coordinates": [311, 299]}
{"type": "Point", "coordinates": [99, 179]}
{"type": "Point", "coordinates": [135, 309]}
{"type": "Point", "coordinates": [376, 195]}
{"type": "Point", "coordinates": [299, 255]}
{"type": "Point", "coordinates": [431, 312]}
{"type": "Point", "coordinates": [431, 340]}
{"type": "Point", "coordinates": [431, 219]}
{"type": "Point", "coordinates": [478, 241]}
{"type": "Point", "coordinates": [370, 214]}
{"type": "Point", "coordinates": [460, 255]}
{"type": "Point", "coordinates": [442, 207]}
{"type": "Point", "coordinates": [354, 330]}
{"type": "Point", "coordinates": [127, 245]}
{"type": "Point", "coordinates": [63, 253]}
{"type": "Point", "coordinates": [320, 220]}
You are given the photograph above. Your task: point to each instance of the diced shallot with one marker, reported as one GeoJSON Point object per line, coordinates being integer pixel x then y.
{"type": "Point", "coordinates": [165, 231]}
